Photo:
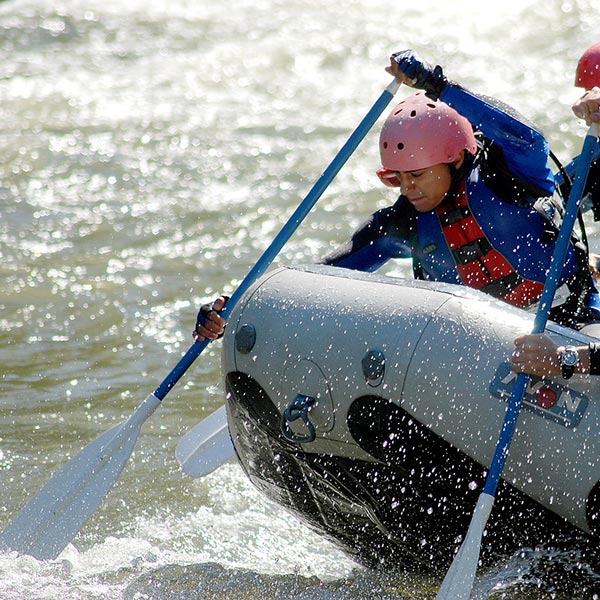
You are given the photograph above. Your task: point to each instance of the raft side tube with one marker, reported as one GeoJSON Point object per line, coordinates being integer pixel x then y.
{"type": "Point", "coordinates": [319, 332]}
{"type": "Point", "coordinates": [459, 383]}
{"type": "Point", "coordinates": [440, 352]}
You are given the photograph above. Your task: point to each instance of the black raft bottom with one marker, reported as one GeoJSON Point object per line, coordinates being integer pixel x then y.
{"type": "Point", "coordinates": [409, 511]}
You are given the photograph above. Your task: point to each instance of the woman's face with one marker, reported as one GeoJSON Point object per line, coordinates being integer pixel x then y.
{"type": "Point", "coordinates": [426, 188]}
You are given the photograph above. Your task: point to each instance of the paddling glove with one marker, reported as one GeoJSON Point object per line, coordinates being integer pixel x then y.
{"type": "Point", "coordinates": [205, 309]}
{"type": "Point", "coordinates": [426, 77]}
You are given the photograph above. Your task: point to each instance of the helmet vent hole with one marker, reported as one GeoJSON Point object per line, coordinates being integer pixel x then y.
{"type": "Point", "coordinates": [400, 146]}
{"type": "Point", "coordinates": [385, 145]}
{"type": "Point", "coordinates": [413, 113]}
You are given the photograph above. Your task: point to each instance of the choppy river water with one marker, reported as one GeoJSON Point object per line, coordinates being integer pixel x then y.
{"type": "Point", "coordinates": [149, 151]}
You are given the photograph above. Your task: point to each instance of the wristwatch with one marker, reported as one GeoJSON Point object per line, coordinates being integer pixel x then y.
{"type": "Point", "coordinates": [569, 359]}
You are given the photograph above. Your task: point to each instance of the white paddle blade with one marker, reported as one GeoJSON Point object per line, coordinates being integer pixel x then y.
{"type": "Point", "coordinates": [207, 446]}
{"type": "Point", "coordinates": [458, 583]}
{"type": "Point", "coordinates": [50, 520]}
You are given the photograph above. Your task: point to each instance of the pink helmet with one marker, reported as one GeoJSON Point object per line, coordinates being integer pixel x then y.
{"type": "Point", "coordinates": [588, 68]}
{"type": "Point", "coordinates": [421, 132]}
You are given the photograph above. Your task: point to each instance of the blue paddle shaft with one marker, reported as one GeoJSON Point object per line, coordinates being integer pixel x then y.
{"type": "Point", "coordinates": [541, 317]}
{"type": "Point", "coordinates": [286, 232]}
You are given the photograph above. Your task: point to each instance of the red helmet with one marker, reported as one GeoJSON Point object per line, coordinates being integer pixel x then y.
{"type": "Point", "coordinates": [588, 68]}
{"type": "Point", "coordinates": [421, 132]}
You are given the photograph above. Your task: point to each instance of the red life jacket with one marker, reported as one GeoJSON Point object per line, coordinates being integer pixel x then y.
{"type": "Point", "coordinates": [478, 263]}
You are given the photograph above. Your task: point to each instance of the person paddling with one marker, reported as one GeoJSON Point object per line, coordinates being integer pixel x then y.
{"type": "Point", "coordinates": [538, 354]}
{"type": "Point", "coordinates": [476, 205]}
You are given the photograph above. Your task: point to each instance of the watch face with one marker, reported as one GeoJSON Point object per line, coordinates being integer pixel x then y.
{"type": "Point", "coordinates": [570, 357]}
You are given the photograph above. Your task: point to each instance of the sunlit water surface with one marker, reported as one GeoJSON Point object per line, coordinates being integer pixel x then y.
{"type": "Point", "coordinates": [149, 151]}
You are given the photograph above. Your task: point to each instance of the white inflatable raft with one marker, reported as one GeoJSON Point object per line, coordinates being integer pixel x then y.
{"type": "Point", "coordinates": [371, 406]}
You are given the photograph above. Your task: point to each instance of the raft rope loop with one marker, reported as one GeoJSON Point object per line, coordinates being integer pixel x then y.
{"type": "Point", "coordinates": [298, 409]}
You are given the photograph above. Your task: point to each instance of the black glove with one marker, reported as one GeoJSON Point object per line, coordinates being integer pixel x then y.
{"type": "Point", "coordinates": [426, 77]}
{"type": "Point", "coordinates": [203, 313]}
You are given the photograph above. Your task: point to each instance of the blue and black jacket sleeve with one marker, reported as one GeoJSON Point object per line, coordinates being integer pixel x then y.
{"type": "Point", "coordinates": [386, 234]}
{"type": "Point", "coordinates": [526, 150]}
